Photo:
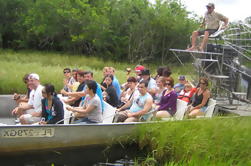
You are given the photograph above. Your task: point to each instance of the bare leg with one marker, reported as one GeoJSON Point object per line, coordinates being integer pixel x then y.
{"type": "Point", "coordinates": [204, 41]}
{"type": "Point", "coordinates": [163, 114]}
{"type": "Point", "coordinates": [22, 120]}
{"type": "Point", "coordinates": [195, 113]}
{"type": "Point", "coordinates": [131, 119]}
{"type": "Point", "coordinates": [194, 37]}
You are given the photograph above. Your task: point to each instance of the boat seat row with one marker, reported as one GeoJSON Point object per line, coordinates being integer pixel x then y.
{"type": "Point", "coordinates": [182, 107]}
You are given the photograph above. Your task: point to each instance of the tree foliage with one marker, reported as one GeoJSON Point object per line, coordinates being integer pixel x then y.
{"type": "Point", "coordinates": [133, 30]}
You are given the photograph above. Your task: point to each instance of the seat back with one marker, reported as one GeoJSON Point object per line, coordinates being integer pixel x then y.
{"type": "Point", "coordinates": [210, 108]}
{"type": "Point", "coordinates": [181, 109]}
{"type": "Point", "coordinates": [108, 113]}
{"type": "Point", "coordinates": [67, 114]}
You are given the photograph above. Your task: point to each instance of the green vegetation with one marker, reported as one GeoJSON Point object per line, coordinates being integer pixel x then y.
{"type": "Point", "coordinates": [217, 141]}
{"type": "Point", "coordinates": [14, 65]}
{"type": "Point", "coordinates": [133, 30]}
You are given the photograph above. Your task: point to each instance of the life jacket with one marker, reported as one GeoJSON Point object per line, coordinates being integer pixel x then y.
{"type": "Point", "coordinates": [186, 96]}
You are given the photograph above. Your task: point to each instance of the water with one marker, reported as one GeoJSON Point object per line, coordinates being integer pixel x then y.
{"type": "Point", "coordinates": [88, 156]}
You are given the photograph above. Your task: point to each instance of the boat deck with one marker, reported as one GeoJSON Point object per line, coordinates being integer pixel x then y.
{"type": "Point", "coordinates": [238, 107]}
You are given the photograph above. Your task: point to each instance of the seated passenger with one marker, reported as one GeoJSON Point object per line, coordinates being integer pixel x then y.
{"type": "Point", "coordinates": [91, 111]}
{"type": "Point", "coordinates": [115, 81]}
{"type": "Point", "coordinates": [75, 97]}
{"type": "Point", "coordinates": [167, 105]}
{"type": "Point", "coordinates": [138, 69]}
{"type": "Point", "coordinates": [129, 92]}
{"type": "Point", "coordinates": [139, 106]}
{"type": "Point", "coordinates": [187, 93]}
{"type": "Point", "coordinates": [76, 83]}
{"type": "Point", "coordinates": [31, 113]}
{"type": "Point", "coordinates": [105, 73]}
{"type": "Point", "coordinates": [159, 72]}
{"type": "Point", "coordinates": [201, 98]}
{"type": "Point", "coordinates": [161, 84]}
{"type": "Point", "coordinates": [68, 80]}
{"type": "Point", "coordinates": [180, 86]}
{"type": "Point", "coordinates": [152, 86]}
{"type": "Point", "coordinates": [166, 72]}
{"type": "Point", "coordinates": [52, 107]}
{"type": "Point", "coordinates": [110, 95]}
{"type": "Point", "coordinates": [23, 99]}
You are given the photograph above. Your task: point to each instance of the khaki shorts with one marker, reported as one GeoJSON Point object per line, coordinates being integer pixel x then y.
{"type": "Point", "coordinates": [29, 118]}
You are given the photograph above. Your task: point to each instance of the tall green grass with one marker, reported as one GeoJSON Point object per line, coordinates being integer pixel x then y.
{"type": "Point", "coordinates": [215, 141]}
{"type": "Point", "coordinates": [14, 65]}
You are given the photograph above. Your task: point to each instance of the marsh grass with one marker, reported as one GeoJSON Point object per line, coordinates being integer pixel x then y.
{"type": "Point", "coordinates": [14, 65]}
{"type": "Point", "coordinates": [214, 141]}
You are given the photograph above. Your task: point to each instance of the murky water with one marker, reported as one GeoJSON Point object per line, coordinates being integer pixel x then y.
{"type": "Point", "coordinates": [88, 156]}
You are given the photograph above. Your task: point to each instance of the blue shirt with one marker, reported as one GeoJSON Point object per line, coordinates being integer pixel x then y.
{"type": "Point", "coordinates": [139, 103]}
{"type": "Point", "coordinates": [116, 85]}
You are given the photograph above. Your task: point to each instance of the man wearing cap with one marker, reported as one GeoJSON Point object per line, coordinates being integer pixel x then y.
{"type": "Point", "coordinates": [138, 70]}
{"type": "Point", "coordinates": [181, 85]}
{"type": "Point", "coordinates": [152, 86]}
{"type": "Point", "coordinates": [211, 23]}
{"type": "Point", "coordinates": [31, 113]}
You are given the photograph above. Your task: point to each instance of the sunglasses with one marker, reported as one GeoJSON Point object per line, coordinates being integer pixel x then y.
{"type": "Point", "coordinates": [202, 83]}
{"type": "Point", "coordinates": [66, 72]}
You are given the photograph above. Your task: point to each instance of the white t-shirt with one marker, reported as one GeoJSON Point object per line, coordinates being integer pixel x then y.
{"type": "Point", "coordinates": [35, 98]}
{"type": "Point", "coordinates": [152, 84]}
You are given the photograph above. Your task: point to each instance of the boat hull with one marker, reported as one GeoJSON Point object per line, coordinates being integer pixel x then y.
{"type": "Point", "coordinates": [33, 138]}
{"type": "Point", "coordinates": [19, 138]}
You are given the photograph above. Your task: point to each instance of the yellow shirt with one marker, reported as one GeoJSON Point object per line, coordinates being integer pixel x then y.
{"type": "Point", "coordinates": [75, 86]}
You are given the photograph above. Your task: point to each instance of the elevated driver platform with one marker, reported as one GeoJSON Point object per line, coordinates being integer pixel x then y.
{"type": "Point", "coordinates": [224, 63]}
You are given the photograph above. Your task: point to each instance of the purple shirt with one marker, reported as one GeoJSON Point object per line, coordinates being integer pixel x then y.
{"type": "Point", "coordinates": [168, 102]}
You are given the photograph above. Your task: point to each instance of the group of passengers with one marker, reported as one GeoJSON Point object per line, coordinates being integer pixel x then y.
{"type": "Point", "coordinates": [85, 98]}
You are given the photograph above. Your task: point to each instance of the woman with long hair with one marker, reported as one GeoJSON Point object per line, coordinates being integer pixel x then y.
{"type": "Point", "coordinates": [167, 105]}
{"type": "Point", "coordinates": [201, 98]}
{"type": "Point", "coordinates": [110, 95]}
{"type": "Point", "coordinates": [52, 107]}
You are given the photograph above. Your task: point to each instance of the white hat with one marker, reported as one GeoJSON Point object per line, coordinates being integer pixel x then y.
{"type": "Point", "coordinates": [34, 76]}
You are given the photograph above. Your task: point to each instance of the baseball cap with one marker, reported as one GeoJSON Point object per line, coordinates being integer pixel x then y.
{"type": "Point", "coordinates": [34, 76]}
{"type": "Point", "coordinates": [139, 68]}
{"type": "Point", "coordinates": [145, 72]}
{"type": "Point", "coordinates": [210, 5]}
{"type": "Point", "coordinates": [182, 77]}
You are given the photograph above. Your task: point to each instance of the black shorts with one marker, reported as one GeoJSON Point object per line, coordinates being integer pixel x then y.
{"type": "Point", "coordinates": [211, 31]}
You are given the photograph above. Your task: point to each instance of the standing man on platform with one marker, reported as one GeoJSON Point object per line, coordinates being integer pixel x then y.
{"type": "Point", "coordinates": [211, 23]}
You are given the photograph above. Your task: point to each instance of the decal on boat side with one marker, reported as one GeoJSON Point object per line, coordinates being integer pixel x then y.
{"type": "Point", "coordinates": [27, 132]}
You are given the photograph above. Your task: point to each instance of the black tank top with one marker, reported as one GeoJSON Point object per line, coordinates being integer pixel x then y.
{"type": "Point", "coordinates": [198, 99]}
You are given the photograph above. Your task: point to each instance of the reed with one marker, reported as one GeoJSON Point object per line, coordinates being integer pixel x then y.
{"type": "Point", "coordinates": [217, 141]}
{"type": "Point", "coordinates": [49, 65]}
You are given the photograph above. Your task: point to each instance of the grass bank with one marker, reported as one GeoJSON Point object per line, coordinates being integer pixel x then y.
{"type": "Point", "coordinates": [218, 141]}
{"type": "Point", "coordinates": [49, 66]}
